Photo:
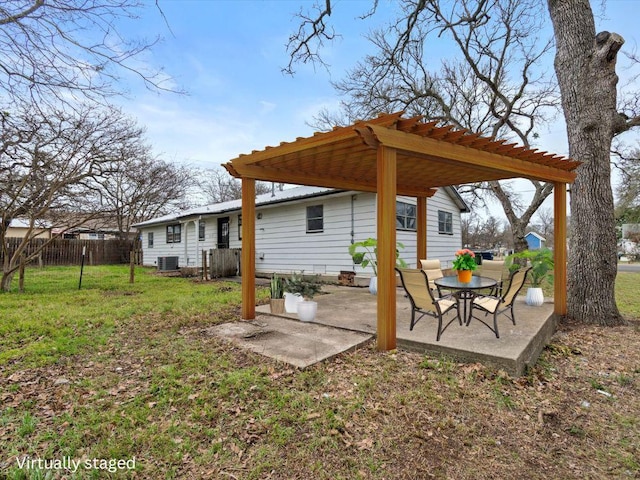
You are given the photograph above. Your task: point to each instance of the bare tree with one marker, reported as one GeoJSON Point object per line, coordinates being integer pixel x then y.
{"type": "Point", "coordinates": [48, 166]}
{"type": "Point", "coordinates": [478, 234]}
{"type": "Point", "coordinates": [61, 50]}
{"type": "Point", "coordinates": [585, 65]}
{"type": "Point", "coordinates": [218, 186]}
{"type": "Point", "coordinates": [140, 187]}
{"type": "Point", "coordinates": [628, 191]}
{"type": "Point", "coordinates": [495, 87]}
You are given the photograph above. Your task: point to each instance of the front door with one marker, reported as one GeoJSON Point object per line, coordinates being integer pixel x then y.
{"type": "Point", "coordinates": [223, 232]}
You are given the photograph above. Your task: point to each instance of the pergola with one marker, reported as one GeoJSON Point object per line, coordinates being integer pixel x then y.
{"type": "Point", "coordinates": [391, 155]}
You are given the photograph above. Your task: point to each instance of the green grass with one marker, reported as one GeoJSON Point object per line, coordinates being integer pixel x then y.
{"type": "Point", "coordinates": [142, 377]}
{"type": "Point", "coordinates": [53, 319]}
{"type": "Point", "coordinates": [628, 294]}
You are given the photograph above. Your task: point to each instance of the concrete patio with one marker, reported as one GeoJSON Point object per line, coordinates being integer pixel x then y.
{"type": "Point", "coordinates": [347, 318]}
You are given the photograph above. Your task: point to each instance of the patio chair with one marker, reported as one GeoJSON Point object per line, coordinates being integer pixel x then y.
{"type": "Point", "coordinates": [433, 270]}
{"type": "Point", "coordinates": [493, 269]}
{"type": "Point", "coordinates": [416, 284]}
{"type": "Point", "coordinates": [497, 305]}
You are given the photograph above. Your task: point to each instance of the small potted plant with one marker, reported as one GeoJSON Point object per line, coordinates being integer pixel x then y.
{"type": "Point", "coordinates": [541, 262]}
{"type": "Point", "coordinates": [302, 289]}
{"type": "Point", "coordinates": [465, 264]}
{"type": "Point", "coordinates": [299, 288]}
{"type": "Point", "coordinates": [277, 295]}
{"type": "Point", "coordinates": [368, 256]}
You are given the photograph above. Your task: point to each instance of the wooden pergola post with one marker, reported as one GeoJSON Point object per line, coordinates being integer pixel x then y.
{"type": "Point", "coordinates": [560, 248]}
{"type": "Point", "coordinates": [248, 257]}
{"type": "Point", "coordinates": [386, 183]}
{"type": "Point", "coordinates": [421, 229]}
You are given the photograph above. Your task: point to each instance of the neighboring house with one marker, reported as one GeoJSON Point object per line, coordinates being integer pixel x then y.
{"type": "Point", "coordinates": [630, 242]}
{"type": "Point", "coordinates": [303, 228]}
{"type": "Point", "coordinates": [18, 228]}
{"type": "Point", "coordinates": [89, 227]}
{"type": "Point", "coordinates": [535, 241]}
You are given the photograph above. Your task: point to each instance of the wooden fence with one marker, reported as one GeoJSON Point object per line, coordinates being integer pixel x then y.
{"type": "Point", "coordinates": [222, 262]}
{"type": "Point", "coordinates": [62, 251]}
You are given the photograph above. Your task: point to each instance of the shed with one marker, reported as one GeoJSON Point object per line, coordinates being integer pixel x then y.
{"type": "Point", "coordinates": [535, 241]}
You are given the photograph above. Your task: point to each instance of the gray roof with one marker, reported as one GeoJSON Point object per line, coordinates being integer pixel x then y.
{"type": "Point", "coordinates": [270, 198]}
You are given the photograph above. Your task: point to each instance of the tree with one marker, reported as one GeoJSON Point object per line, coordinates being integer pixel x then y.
{"type": "Point", "coordinates": [140, 187]}
{"type": "Point", "coordinates": [49, 162]}
{"type": "Point", "coordinates": [217, 186]}
{"type": "Point", "coordinates": [585, 70]}
{"type": "Point", "coordinates": [496, 87]}
{"type": "Point", "coordinates": [585, 66]}
{"type": "Point", "coordinates": [59, 51]}
{"type": "Point", "coordinates": [628, 193]}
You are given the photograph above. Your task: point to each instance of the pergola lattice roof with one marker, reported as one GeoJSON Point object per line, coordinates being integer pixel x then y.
{"type": "Point", "coordinates": [428, 156]}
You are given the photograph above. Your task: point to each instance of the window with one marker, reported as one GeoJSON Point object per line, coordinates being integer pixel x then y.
{"type": "Point", "coordinates": [239, 227]}
{"type": "Point", "coordinates": [445, 222]}
{"type": "Point", "coordinates": [201, 225]}
{"type": "Point", "coordinates": [174, 233]}
{"type": "Point", "coordinates": [315, 219]}
{"type": "Point", "coordinates": [405, 216]}
{"type": "Point", "coordinates": [150, 239]}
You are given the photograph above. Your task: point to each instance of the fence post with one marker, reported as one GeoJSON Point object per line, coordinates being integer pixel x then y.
{"type": "Point", "coordinates": [132, 266]}
{"type": "Point", "coordinates": [205, 274]}
{"type": "Point", "coordinates": [21, 280]}
{"type": "Point", "coordinates": [211, 263]}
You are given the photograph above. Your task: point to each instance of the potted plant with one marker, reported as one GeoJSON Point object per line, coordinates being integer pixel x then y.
{"type": "Point", "coordinates": [300, 290]}
{"type": "Point", "coordinates": [541, 262]}
{"type": "Point", "coordinates": [365, 253]}
{"type": "Point", "coordinates": [277, 295]}
{"type": "Point", "coordinates": [465, 264]}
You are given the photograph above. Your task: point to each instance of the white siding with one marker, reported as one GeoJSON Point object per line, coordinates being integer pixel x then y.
{"type": "Point", "coordinates": [283, 245]}
{"type": "Point", "coordinates": [440, 245]}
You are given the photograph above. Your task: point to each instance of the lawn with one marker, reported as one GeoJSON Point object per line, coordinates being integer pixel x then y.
{"type": "Point", "coordinates": [119, 372]}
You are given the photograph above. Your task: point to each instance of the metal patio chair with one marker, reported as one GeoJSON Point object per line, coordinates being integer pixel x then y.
{"type": "Point", "coordinates": [493, 269]}
{"type": "Point", "coordinates": [416, 284]}
{"type": "Point", "coordinates": [433, 270]}
{"type": "Point", "coordinates": [497, 305]}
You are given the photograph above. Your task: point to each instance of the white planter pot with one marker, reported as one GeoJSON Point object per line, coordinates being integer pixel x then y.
{"type": "Point", "coordinates": [373, 286]}
{"type": "Point", "coordinates": [535, 297]}
{"type": "Point", "coordinates": [291, 301]}
{"type": "Point", "coordinates": [307, 310]}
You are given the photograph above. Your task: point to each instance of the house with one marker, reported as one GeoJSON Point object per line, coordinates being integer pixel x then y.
{"type": "Point", "coordinates": [535, 241]}
{"type": "Point", "coordinates": [18, 228]}
{"type": "Point", "coordinates": [303, 228]}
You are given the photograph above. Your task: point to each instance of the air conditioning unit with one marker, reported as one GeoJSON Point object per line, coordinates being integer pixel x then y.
{"type": "Point", "coordinates": [167, 263]}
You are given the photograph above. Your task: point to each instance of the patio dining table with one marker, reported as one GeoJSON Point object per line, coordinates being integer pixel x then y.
{"type": "Point", "coordinates": [465, 292]}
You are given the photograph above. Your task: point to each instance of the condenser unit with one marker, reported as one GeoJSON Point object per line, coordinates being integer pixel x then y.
{"type": "Point", "coordinates": [167, 263]}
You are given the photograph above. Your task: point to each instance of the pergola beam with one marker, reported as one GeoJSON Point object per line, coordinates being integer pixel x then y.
{"type": "Point", "coordinates": [248, 255]}
{"type": "Point", "coordinates": [421, 229]}
{"type": "Point", "coordinates": [406, 143]}
{"type": "Point", "coordinates": [283, 176]}
{"type": "Point", "coordinates": [560, 248]}
{"type": "Point", "coordinates": [386, 225]}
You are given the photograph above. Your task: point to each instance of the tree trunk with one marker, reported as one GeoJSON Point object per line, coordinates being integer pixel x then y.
{"type": "Point", "coordinates": [585, 67]}
{"type": "Point", "coordinates": [5, 282]}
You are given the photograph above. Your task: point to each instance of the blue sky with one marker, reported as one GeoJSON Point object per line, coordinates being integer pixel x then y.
{"type": "Point", "coordinates": [228, 56]}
